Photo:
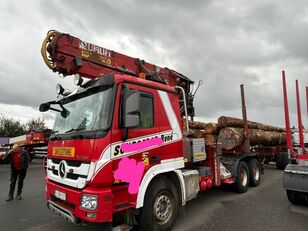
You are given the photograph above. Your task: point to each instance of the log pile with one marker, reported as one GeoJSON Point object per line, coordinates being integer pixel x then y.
{"type": "Point", "coordinates": [196, 125]}
{"type": "Point", "coordinates": [233, 137]}
{"type": "Point", "coordinates": [193, 132]}
{"type": "Point", "coordinates": [208, 131]}
{"type": "Point", "coordinates": [229, 131]}
{"type": "Point", "coordinates": [210, 139]}
{"type": "Point", "coordinates": [225, 121]}
{"type": "Point", "coordinates": [211, 128]}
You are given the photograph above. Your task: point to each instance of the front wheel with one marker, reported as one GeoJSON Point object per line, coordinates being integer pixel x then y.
{"type": "Point", "coordinates": [160, 207]}
{"type": "Point", "coordinates": [242, 179]}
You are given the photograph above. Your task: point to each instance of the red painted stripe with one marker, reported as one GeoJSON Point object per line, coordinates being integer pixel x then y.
{"type": "Point", "coordinates": [302, 156]}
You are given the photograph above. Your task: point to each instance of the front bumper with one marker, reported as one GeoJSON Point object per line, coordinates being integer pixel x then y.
{"type": "Point", "coordinates": [295, 178]}
{"type": "Point", "coordinates": [63, 212]}
{"type": "Point", "coordinates": [70, 208]}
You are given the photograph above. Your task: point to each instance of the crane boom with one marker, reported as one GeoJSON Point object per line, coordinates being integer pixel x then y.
{"type": "Point", "coordinates": [69, 55]}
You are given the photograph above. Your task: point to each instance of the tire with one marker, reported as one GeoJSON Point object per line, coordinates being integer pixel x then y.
{"type": "Point", "coordinates": [295, 197]}
{"type": "Point", "coordinates": [160, 206]}
{"type": "Point", "coordinates": [242, 179]}
{"type": "Point", "coordinates": [281, 160]}
{"type": "Point", "coordinates": [254, 172]}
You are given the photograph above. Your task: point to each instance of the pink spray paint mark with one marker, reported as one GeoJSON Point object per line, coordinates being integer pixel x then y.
{"type": "Point", "coordinates": [130, 172]}
{"type": "Point", "coordinates": [141, 145]}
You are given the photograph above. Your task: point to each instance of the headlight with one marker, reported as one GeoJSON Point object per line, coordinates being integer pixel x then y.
{"type": "Point", "coordinates": [88, 202]}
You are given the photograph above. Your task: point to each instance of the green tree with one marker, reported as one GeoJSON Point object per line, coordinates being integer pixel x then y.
{"type": "Point", "coordinates": [36, 125]}
{"type": "Point", "coordinates": [10, 127]}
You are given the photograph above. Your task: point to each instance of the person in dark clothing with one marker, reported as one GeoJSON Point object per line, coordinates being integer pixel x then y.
{"type": "Point", "coordinates": [19, 165]}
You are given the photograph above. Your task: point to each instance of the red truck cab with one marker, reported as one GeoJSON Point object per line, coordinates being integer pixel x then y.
{"type": "Point", "coordinates": [85, 150]}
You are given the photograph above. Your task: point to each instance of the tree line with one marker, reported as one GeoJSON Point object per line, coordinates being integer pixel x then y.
{"type": "Point", "coordinates": [10, 127]}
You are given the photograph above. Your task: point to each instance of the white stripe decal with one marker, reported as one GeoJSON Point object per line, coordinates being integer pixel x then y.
{"type": "Point", "coordinates": [166, 166]}
{"type": "Point", "coordinates": [175, 132]}
{"type": "Point", "coordinates": [174, 123]}
{"type": "Point", "coordinates": [109, 152]}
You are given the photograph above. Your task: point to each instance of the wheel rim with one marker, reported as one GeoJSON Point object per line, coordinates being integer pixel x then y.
{"type": "Point", "coordinates": [163, 208]}
{"type": "Point", "coordinates": [244, 177]}
{"type": "Point", "coordinates": [256, 173]}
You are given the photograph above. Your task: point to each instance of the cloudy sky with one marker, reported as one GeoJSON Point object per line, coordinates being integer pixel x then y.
{"type": "Point", "coordinates": [223, 43]}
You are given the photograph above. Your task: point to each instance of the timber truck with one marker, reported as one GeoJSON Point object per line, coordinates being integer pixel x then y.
{"type": "Point", "coordinates": [118, 146]}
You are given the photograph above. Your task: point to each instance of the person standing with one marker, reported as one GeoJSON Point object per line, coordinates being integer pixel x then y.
{"type": "Point", "coordinates": [19, 165]}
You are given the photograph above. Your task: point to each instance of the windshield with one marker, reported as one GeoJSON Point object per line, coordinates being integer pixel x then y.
{"type": "Point", "coordinates": [89, 111]}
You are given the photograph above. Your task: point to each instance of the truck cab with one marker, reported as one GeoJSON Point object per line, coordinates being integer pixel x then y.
{"type": "Point", "coordinates": [84, 150]}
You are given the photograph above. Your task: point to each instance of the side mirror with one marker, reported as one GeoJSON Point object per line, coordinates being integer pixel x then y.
{"type": "Point", "coordinates": [44, 107]}
{"type": "Point", "coordinates": [131, 109]}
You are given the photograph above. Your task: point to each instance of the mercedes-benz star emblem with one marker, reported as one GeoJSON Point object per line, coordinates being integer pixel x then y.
{"type": "Point", "coordinates": [62, 172]}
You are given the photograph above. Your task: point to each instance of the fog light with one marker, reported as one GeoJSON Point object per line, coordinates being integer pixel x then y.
{"type": "Point", "coordinates": [88, 202]}
{"type": "Point", "coordinates": [91, 215]}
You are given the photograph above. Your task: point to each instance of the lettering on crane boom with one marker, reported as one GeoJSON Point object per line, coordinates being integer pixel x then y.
{"type": "Point", "coordinates": [166, 138]}
{"type": "Point", "coordinates": [98, 58]}
{"type": "Point", "coordinates": [93, 48]}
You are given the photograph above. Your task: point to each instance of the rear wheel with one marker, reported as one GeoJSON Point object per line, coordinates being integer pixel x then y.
{"type": "Point", "coordinates": [242, 180]}
{"type": "Point", "coordinates": [254, 172]}
{"type": "Point", "coordinates": [160, 207]}
{"type": "Point", "coordinates": [281, 160]}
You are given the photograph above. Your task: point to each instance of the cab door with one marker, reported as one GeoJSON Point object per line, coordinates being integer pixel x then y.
{"type": "Point", "coordinates": [147, 129]}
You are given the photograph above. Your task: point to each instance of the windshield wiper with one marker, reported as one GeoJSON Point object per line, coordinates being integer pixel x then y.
{"type": "Point", "coordinates": [73, 130]}
{"type": "Point", "coordinates": [81, 126]}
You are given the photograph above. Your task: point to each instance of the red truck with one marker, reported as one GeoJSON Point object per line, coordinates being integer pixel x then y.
{"type": "Point", "coordinates": [35, 142]}
{"type": "Point", "coordinates": [117, 147]}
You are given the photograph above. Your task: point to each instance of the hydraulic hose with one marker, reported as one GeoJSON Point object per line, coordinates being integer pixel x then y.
{"type": "Point", "coordinates": [50, 35]}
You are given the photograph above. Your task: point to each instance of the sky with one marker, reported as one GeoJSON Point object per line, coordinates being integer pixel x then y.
{"type": "Point", "coordinates": [222, 43]}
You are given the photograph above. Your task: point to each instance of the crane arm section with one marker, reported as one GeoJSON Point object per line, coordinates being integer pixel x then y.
{"type": "Point", "coordinates": [68, 55]}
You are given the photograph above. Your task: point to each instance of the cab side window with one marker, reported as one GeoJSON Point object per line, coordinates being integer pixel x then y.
{"type": "Point", "coordinates": [146, 111]}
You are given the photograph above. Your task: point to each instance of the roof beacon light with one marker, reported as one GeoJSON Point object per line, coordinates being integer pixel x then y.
{"type": "Point", "coordinates": [78, 80]}
{"type": "Point", "coordinates": [59, 89]}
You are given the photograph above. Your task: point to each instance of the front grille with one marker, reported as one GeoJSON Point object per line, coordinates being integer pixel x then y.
{"type": "Point", "coordinates": [76, 172]}
{"type": "Point", "coordinates": [74, 176]}
{"type": "Point", "coordinates": [73, 163]}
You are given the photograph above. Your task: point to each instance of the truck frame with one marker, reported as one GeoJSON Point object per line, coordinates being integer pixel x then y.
{"type": "Point", "coordinates": [118, 146]}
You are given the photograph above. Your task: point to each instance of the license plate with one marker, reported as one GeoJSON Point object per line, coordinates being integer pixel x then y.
{"type": "Point", "coordinates": [68, 152]}
{"type": "Point", "coordinates": [60, 195]}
